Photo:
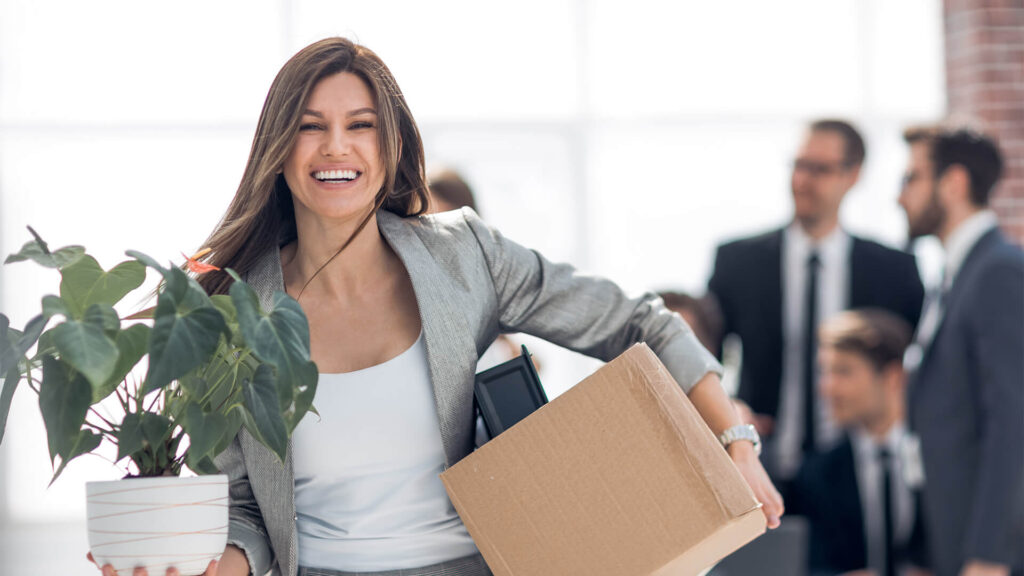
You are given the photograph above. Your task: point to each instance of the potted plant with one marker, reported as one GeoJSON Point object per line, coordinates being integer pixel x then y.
{"type": "Point", "coordinates": [194, 366]}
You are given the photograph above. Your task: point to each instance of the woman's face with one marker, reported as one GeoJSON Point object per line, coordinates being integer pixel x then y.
{"type": "Point", "coordinates": [334, 169]}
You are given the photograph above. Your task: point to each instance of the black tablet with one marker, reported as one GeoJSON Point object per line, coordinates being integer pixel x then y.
{"type": "Point", "coordinates": [508, 392]}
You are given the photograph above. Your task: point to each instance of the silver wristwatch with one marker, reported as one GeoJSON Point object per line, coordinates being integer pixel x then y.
{"type": "Point", "coordinates": [742, 432]}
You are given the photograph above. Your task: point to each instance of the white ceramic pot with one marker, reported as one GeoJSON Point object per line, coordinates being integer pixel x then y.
{"type": "Point", "coordinates": [158, 522]}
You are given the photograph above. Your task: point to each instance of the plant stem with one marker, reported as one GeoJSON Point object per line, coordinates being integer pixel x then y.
{"type": "Point", "coordinates": [105, 421]}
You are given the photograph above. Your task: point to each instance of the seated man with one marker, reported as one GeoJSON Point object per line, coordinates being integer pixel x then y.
{"type": "Point", "coordinates": [862, 513]}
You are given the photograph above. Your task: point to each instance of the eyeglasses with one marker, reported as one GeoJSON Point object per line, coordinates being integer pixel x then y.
{"type": "Point", "coordinates": [818, 169]}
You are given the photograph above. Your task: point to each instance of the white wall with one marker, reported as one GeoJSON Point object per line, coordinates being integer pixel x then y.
{"type": "Point", "coordinates": [629, 138]}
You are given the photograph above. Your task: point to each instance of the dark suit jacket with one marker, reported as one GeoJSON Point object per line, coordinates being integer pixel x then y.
{"type": "Point", "coordinates": [967, 405]}
{"type": "Point", "coordinates": [747, 281]}
{"type": "Point", "coordinates": [826, 492]}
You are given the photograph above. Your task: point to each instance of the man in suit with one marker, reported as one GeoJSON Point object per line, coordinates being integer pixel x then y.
{"type": "Point", "coordinates": [861, 511]}
{"type": "Point", "coordinates": [966, 392]}
{"type": "Point", "coordinates": [773, 288]}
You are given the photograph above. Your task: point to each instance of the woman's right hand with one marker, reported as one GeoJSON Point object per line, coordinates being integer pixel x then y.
{"type": "Point", "coordinates": [232, 563]}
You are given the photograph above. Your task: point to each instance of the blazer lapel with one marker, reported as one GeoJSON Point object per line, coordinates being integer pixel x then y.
{"type": "Point", "coordinates": [963, 276]}
{"type": "Point", "coordinates": [451, 350]}
{"type": "Point", "coordinates": [267, 477]}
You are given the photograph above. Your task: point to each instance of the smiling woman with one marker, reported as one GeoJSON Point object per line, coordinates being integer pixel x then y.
{"type": "Point", "coordinates": [329, 210]}
{"type": "Point", "coordinates": [301, 117]}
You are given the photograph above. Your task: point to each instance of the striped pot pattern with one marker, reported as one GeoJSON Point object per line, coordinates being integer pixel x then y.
{"type": "Point", "coordinates": [158, 522]}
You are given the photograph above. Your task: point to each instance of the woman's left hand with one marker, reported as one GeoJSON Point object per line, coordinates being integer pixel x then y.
{"type": "Point", "coordinates": [743, 455]}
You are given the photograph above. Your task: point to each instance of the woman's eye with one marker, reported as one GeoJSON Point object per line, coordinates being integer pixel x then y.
{"type": "Point", "coordinates": [361, 125]}
{"type": "Point", "coordinates": [305, 127]}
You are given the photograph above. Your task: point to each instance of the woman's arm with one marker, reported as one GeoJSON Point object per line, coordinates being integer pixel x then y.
{"type": "Point", "coordinates": [594, 316]}
{"type": "Point", "coordinates": [714, 406]}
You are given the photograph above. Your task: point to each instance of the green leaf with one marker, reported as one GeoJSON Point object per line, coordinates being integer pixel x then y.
{"type": "Point", "coordinates": [187, 293]}
{"type": "Point", "coordinates": [280, 338]}
{"type": "Point", "coordinates": [156, 428]}
{"type": "Point", "coordinates": [103, 316]}
{"type": "Point", "coordinates": [37, 251]}
{"type": "Point", "coordinates": [14, 345]}
{"type": "Point", "coordinates": [148, 261]}
{"type": "Point", "coordinates": [85, 283]}
{"type": "Point", "coordinates": [261, 400]}
{"type": "Point", "coordinates": [234, 424]}
{"type": "Point", "coordinates": [203, 466]}
{"type": "Point", "coordinates": [64, 402]}
{"type": "Point", "coordinates": [86, 442]}
{"type": "Point", "coordinates": [87, 349]}
{"type": "Point", "coordinates": [180, 341]}
{"type": "Point", "coordinates": [227, 308]}
{"type": "Point", "coordinates": [131, 347]}
{"type": "Point", "coordinates": [129, 437]}
{"type": "Point", "coordinates": [54, 306]}
{"type": "Point", "coordinates": [204, 430]}
{"type": "Point", "coordinates": [223, 303]}
{"type": "Point", "coordinates": [195, 385]}
{"type": "Point", "coordinates": [141, 432]}
{"type": "Point", "coordinates": [6, 396]}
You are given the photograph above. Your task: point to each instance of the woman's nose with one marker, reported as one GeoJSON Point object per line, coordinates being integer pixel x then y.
{"type": "Point", "coordinates": [336, 143]}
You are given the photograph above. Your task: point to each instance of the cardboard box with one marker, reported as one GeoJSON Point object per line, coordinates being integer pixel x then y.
{"type": "Point", "coordinates": [618, 476]}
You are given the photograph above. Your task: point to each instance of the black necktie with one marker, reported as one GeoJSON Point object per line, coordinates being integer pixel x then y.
{"type": "Point", "coordinates": [887, 510]}
{"type": "Point", "coordinates": [810, 350]}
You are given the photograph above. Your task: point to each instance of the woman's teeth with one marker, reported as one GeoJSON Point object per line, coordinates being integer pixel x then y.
{"type": "Point", "coordinates": [336, 175]}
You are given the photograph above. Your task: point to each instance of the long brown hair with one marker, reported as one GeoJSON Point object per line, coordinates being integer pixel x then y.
{"type": "Point", "coordinates": [261, 215]}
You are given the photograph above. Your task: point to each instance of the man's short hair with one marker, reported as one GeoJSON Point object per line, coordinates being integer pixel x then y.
{"type": "Point", "coordinates": [853, 144]}
{"type": "Point", "coordinates": [878, 335]}
{"type": "Point", "coordinates": [976, 152]}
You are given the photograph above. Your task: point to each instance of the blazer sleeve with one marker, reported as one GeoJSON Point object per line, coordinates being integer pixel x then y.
{"type": "Point", "coordinates": [246, 529]}
{"type": "Point", "coordinates": [998, 326]}
{"type": "Point", "coordinates": [587, 314]}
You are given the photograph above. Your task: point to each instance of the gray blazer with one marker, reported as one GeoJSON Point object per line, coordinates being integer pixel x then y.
{"type": "Point", "coordinates": [471, 284]}
{"type": "Point", "coordinates": [967, 405]}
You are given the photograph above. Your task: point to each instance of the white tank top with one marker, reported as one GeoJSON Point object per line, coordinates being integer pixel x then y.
{"type": "Point", "coordinates": [367, 491]}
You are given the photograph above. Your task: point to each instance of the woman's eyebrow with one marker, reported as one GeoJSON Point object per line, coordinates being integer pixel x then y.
{"type": "Point", "coordinates": [362, 111]}
{"type": "Point", "coordinates": [356, 112]}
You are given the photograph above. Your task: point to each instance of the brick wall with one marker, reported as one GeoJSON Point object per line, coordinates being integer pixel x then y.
{"type": "Point", "coordinates": [985, 82]}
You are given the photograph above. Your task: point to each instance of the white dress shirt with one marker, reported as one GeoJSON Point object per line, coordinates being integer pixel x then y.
{"type": "Point", "coordinates": [869, 485]}
{"type": "Point", "coordinates": [833, 297]}
{"type": "Point", "coordinates": [957, 246]}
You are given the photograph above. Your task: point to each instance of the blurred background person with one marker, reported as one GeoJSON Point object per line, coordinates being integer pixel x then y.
{"type": "Point", "coordinates": [966, 397]}
{"type": "Point", "coordinates": [702, 314]}
{"type": "Point", "coordinates": [861, 511]}
{"type": "Point", "coordinates": [774, 288]}
{"type": "Point", "coordinates": [449, 191]}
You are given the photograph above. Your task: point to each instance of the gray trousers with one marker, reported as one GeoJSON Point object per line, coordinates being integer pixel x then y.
{"type": "Point", "coordinates": [468, 566]}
